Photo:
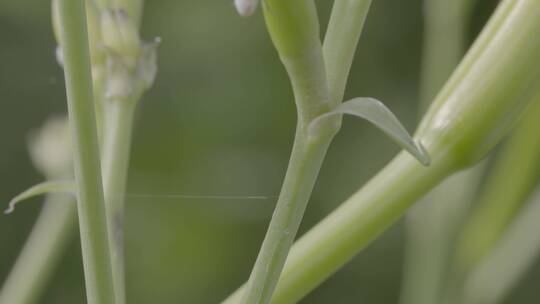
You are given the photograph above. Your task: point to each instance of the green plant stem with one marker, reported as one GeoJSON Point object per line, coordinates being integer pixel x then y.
{"type": "Point", "coordinates": [42, 251]}
{"type": "Point", "coordinates": [90, 199]}
{"type": "Point", "coordinates": [445, 35]}
{"type": "Point", "coordinates": [293, 27]}
{"type": "Point", "coordinates": [116, 150]}
{"type": "Point", "coordinates": [432, 223]}
{"type": "Point", "coordinates": [495, 276]}
{"type": "Point", "coordinates": [306, 160]}
{"type": "Point", "coordinates": [344, 28]}
{"type": "Point", "coordinates": [461, 127]}
{"type": "Point", "coordinates": [332, 242]}
{"type": "Point", "coordinates": [511, 181]}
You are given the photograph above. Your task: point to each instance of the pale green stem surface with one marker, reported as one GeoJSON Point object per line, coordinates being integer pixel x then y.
{"type": "Point", "coordinates": [484, 98]}
{"type": "Point", "coordinates": [133, 7]}
{"type": "Point", "coordinates": [511, 181]}
{"type": "Point", "coordinates": [445, 35]}
{"type": "Point", "coordinates": [90, 199]}
{"type": "Point", "coordinates": [495, 276]}
{"type": "Point", "coordinates": [42, 251]}
{"type": "Point", "coordinates": [432, 224]}
{"type": "Point", "coordinates": [344, 28]}
{"type": "Point", "coordinates": [116, 150]}
{"type": "Point", "coordinates": [294, 29]}
{"type": "Point", "coordinates": [306, 160]}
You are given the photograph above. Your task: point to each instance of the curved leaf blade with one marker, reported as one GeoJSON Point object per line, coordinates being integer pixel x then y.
{"type": "Point", "coordinates": [42, 188]}
{"type": "Point", "coordinates": [379, 115]}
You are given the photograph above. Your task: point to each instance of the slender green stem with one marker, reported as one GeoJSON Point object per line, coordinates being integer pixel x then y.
{"type": "Point", "coordinates": [90, 199]}
{"type": "Point", "coordinates": [344, 28]}
{"type": "Point", "coordinates": [307, 72]}
{"type": "Point", "coordinates": [445, 33]}
{"type": "Point", "coordinates": [335, 240]}
{"type": "Point", "coordinates": [306, 160]}
{"type": "Point", "coordinates": [293, 27]}
{"type": "Point", "coordinates": [116, 150]}
{"type": "Point", "coordinates": [41, 252]}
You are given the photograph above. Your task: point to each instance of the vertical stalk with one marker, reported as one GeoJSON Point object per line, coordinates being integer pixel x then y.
{"type": "Point", "coordinates": [116, 150]}
{"type": "Point", "coordinates": [90, 199]}
{"type": "Point", "coordinates": [306, 160]}
{"type": "Point", "coordinates": [294, 29]}
{"type": "Point", "coordinates": [308, 70]}
{"type": "Point", "coordinates": [431, 225]}
{"type": "Point", "coordinates": [41, 252]}
{"type": "Point", "coordinates": [445, 33]}
{"type": "Point", "coordinates": [344, 28]}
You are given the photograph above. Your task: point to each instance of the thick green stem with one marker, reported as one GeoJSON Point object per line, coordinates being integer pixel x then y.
{"type": "Point", "coordinates": [511, 181]}
{"type": "Point", "coordinates": [41, 252]}
{"type": "Point", "coordinates": [116, 150]}
{"type": "Point", "coordinates": [90, 199]}
{"type": "Point", "coordinates": [432, 223]}
{"type": "Point", "coordinates": [335, 240]}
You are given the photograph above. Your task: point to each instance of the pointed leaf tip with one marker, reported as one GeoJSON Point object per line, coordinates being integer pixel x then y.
{"type": "Point", "coordinates": [39, 189]}
{"type": "Point", "coordinates": [379, 115]}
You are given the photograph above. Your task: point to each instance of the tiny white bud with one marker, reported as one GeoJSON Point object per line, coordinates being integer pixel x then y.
{"type": "Point", "coordinates": [246, 7]}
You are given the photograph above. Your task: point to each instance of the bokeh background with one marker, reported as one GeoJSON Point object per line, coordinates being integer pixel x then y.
{"type": "Point", "coordinates": [219, 121]}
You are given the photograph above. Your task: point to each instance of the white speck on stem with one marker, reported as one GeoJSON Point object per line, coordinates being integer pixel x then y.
{"type": "Point", "coordinates": [245, 7]}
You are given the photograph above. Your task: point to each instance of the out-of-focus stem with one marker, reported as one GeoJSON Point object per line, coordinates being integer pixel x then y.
{"type": "Point", "coordinates": [518, 248]}
{"type": "Point", "coordinates": [90, 198]}
{"type": "Point", "coordinates": [432, 223]}
{"type": "Point", "coordinates": [116, 150]}
{"type": "Point", "coordinates": [42, 251]}
{"type": "Point", "coordinates": [511, 181]}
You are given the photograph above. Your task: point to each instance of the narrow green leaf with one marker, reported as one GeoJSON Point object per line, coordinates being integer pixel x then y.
{"type": "Point", "coordinates": [379, 115]}
{"type": "Point", "coordinates": [42, 188]}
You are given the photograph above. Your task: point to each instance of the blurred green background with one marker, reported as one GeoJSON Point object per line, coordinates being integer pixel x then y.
{"type": "Point", "coordinates": [219, 121]}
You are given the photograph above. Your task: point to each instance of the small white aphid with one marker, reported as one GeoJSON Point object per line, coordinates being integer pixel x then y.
{"type": "Point", "coordinates": [246, 7]}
